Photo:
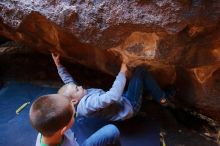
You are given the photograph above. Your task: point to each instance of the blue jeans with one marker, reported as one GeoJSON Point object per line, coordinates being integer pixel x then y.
{"type": "Point", "coordinates": [142, 81]}
{"type": "Point", "coordinates": [106, 136]}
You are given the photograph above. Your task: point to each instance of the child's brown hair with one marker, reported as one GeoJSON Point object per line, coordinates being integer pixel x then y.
{"type": "Point", "coordinates": [50, 113]}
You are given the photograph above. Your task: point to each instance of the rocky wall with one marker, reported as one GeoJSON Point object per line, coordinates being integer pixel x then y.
{"type": "Point", "coordinates": [179, 40]}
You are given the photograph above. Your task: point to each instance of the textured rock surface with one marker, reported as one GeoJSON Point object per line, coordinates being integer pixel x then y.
{"type": "Point", "coordinates": [178, 40]}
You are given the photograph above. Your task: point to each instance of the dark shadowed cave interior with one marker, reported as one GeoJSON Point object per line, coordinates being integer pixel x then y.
{"type": "Point", "coordinates": [21, 66]}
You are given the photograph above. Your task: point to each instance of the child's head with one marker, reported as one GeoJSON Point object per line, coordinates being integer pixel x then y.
{"type": "Point", "coordinates": [72, 91]}
{"type": "Point", "coordinates": [52, 113]}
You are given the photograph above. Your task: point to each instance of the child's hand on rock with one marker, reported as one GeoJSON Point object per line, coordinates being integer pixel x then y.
{"type": "Point", "coordinates": [56, 58]}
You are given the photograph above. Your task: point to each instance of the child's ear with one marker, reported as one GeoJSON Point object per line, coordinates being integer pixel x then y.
{"type": "Point", "coordinates": [64, 130]}
{"type": "Point", "coordinates": [74, 101]}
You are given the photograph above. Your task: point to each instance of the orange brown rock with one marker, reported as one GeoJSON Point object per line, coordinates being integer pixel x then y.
{"type": "Point", "coordinates": [178, 40]}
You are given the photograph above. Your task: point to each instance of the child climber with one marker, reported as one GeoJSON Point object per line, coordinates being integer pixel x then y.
{"type": "Point", "coordinates": [53, 115]}
{"type": "Point", "coordinates": [115, 104]}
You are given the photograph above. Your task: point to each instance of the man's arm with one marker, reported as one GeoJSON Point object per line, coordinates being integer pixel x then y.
{"type": "Point", "coordinates": [63, 73]}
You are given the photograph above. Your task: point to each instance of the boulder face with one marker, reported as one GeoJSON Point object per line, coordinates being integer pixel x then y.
{"type": "Point", "coordinates": [179, 41]}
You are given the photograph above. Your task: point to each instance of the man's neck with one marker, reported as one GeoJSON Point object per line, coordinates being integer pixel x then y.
{"type": "Point", "coordinates": [53, 140]}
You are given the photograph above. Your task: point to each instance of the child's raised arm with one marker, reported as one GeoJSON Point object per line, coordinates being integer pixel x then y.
{"type": "Point", "coordinates": [125, 60]}
{"type": "Point", "coordinates": [113, 95]}
{"type": "Point", "coordinates": [56, 59]}
{"type": "Point", "coordinates": [63, 73]}
{"type": "Point", "coordinates": [124, 68]}
{"type": "Point", "coordinates": [102, 101]}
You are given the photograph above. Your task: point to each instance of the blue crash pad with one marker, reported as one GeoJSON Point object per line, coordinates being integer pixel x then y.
{"type": "Point", "coordinates": [16, 129]}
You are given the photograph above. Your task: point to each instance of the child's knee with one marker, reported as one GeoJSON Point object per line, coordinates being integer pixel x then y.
{"type": "Point", "coordinates": [113, 130]}
{"type": "Point", "coordinates": [140, 69]}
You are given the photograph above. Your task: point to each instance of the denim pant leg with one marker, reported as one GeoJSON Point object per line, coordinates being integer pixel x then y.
{"type": "Point", "coordinates": [142, 80]}
{"type": "Point", "coordinates": [151, 86]}
{"type": "Point", "coordinates": [135, 90]}
{"type": "Point", "coordinates": [106, 136]}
